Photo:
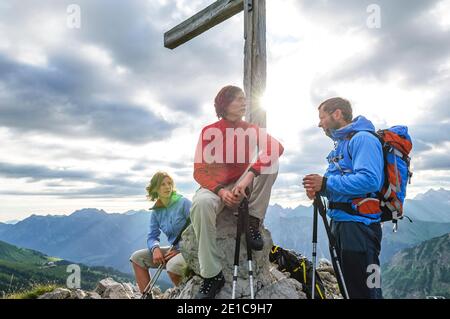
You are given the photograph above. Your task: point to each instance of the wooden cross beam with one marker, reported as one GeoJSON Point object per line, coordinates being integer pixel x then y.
{"type": "Point", "coordinates": [254, 50]}
{"type": "Point", "coordinates": [209, 17]}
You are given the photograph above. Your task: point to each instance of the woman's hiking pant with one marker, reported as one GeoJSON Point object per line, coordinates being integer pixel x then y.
{"type": "Point", "coordinates": [206, 205]}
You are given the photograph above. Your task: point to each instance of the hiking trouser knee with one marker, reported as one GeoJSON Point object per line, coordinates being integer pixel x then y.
{"type": "Point", "coordinates": [260, 195]}
{"type": "Point", "coordinates": [358, 247]}
{"type": "Point", "coordinates": [205, 207]}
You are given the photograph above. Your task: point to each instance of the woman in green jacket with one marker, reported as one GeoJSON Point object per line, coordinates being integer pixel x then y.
{"type": "Point", "coordinates": [169, 214]}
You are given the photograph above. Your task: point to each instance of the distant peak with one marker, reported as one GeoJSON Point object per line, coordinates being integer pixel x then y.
{"type": "Point", "coordinates": [12, 222]}
{"type": "Point", "coordinates": [134, 212]}
{"type": "Point", "coordinates": [434, 194]}
{"type": "Point", "coordinates": [88, 211]}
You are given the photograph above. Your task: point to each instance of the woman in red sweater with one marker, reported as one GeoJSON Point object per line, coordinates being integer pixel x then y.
{"type": "Point", "coordinates": [231, 155]}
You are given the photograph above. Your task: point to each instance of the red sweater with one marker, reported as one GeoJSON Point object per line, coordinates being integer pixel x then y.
{"type": "Point", "coordinates": [213, 170]}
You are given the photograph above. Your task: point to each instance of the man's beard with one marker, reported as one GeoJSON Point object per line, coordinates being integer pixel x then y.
{"type": "Point", "coordinates": [328, 132]}
{"type": "Point", "coordinates": [334, 125]}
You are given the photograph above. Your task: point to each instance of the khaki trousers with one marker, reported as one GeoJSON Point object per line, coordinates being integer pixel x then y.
{"type": "Point", "coordinates": [206, 205]}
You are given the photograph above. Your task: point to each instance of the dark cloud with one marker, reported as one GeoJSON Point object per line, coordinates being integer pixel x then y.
{"type": "Point", "coordinates": [420, 146]}
{"type": "Point", "coordinates": [413, 52]}
{"type": "Point", "coordinates": [93, 192]}
{"type": "Point", "coordinates": [139, 167]}
{"type": "Point", "coordinates": [429, 133]}
{"type": "Point", "coordinates": [351, 13]}
{"type": "Point", "coordinates": [61, 100]}
{"type": "Point", "coordinates": [115, 186]}
{"type": "Point", "coordinates": [433, 162]}
{"type": "Point", "coordinates": [74, 96]}
{"type": "Point", "coordinates": [133, 31]}
{"type": "Point", "coordinates": [433, 131]}
{"type": "Point", "coordinates": [406, 42]}
{"type": "Point", "coordinates": [38, 172]}
{"type": "Point", "coordinates": [60, 182]}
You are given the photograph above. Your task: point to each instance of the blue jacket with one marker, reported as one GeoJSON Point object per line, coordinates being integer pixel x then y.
{"type": "Point", "coordinates": [355, 168]}
{"type": "Point", "coordinates": [170, 220]}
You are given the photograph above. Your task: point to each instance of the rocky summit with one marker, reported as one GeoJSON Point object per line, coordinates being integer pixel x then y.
{"type": "Point", "coordinates": [269, 283]}
{"type": "Point", "coordinates": [282, 287]}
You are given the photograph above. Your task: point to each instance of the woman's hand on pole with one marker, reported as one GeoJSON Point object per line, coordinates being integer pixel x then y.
{"type": "Point", "coordinates": [158, 257]}
{"type": "Point", "coordinates": [228, 198]}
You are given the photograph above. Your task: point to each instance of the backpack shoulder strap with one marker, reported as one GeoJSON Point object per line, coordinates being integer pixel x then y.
{"type": "Point", "coordinates": [352, 134]}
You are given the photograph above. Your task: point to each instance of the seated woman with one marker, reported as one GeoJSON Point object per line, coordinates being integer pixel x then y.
{"type": "Point", "coordinates": [169, 214]}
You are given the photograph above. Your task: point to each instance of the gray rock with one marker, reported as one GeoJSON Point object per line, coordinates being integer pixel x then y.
{"type": "Point", "coordinates": [106, 289]}
{"type": "Point", "coordinates": [278, 274]}
{"type": "Point", "coordinates": [110, 289]}
{"type": "Point", "coordinates": [58, 293]}
{"type": "Point", "coordinates": [327, 269]}
{"type": "Point", "coordinates": [263, 277]}
{"type": "Point", "coordinates": [129, 288]}
{"type": "Point", "coordinates": [189, 289]}
{"type": "Point", "coordinates": [103, 284]}
{"type": "Point", "coordinates": [285, 288]}
{"type": "Point", "coordinates": [78, 294]}
{"type": "Point", "coordinates": [92, 295]}
{"type": "Point", "coordinates": [116, 292]}
{"type": "Point", "coordinates": [324, 263]}
{"type": "Point", "coordinates": [327, 277]}
{"type": "Point", "coordinates": [157, 293]}
{"type": "Point", "coordinates": [170, 293]}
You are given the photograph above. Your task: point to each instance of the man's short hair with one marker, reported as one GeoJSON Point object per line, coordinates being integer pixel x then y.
{"type": "Point", "coordinates": [338, 103]}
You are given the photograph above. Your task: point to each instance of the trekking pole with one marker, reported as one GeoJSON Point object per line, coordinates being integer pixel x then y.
{"type": "Point", "coordinates": [249, 249]}
{"type": "Point", "coordinates": [332, 244]}
{"type": "Point", "coordinates": [242, 221]}
{"type": "Point", "coordinates": [314, 249]}
{"type": "Point", "coordinates": [237, 249]}
{"type": "Point", "coordinates": [147, 294]}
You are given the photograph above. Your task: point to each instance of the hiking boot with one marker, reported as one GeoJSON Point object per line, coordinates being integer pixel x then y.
{"type": "Point", "coordinates": [210, 287]}
{"type": "Point", "coordinates": [256, 240]}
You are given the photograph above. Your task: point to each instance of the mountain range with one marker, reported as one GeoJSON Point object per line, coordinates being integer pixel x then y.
{"type": "Point", "coordinates": [419, 272]}
{"type": "Point", "coordinates": [429, 212]}
{"type": "Point", "coordinates": [97, 238]}
{"type": "Point", "coordinates": [21, 268]}
{"type": "Point", "coordinates": [90, 236]}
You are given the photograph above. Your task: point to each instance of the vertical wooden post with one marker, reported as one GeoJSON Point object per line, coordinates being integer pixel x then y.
{"type": "Point", "coordinates": [255, 65]}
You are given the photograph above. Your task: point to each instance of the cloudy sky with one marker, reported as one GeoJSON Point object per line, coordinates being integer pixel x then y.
{"type": "Point", "coordinates": [88, 114]}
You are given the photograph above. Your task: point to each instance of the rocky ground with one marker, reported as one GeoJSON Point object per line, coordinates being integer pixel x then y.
{"type": "Point", "coordinates": [110, 289]}
{"type": "Point", "coordinates": [269, 283]}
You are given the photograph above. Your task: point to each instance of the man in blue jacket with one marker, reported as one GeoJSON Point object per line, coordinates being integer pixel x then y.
{"type": "Point", "coordinates": [355, 172]}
